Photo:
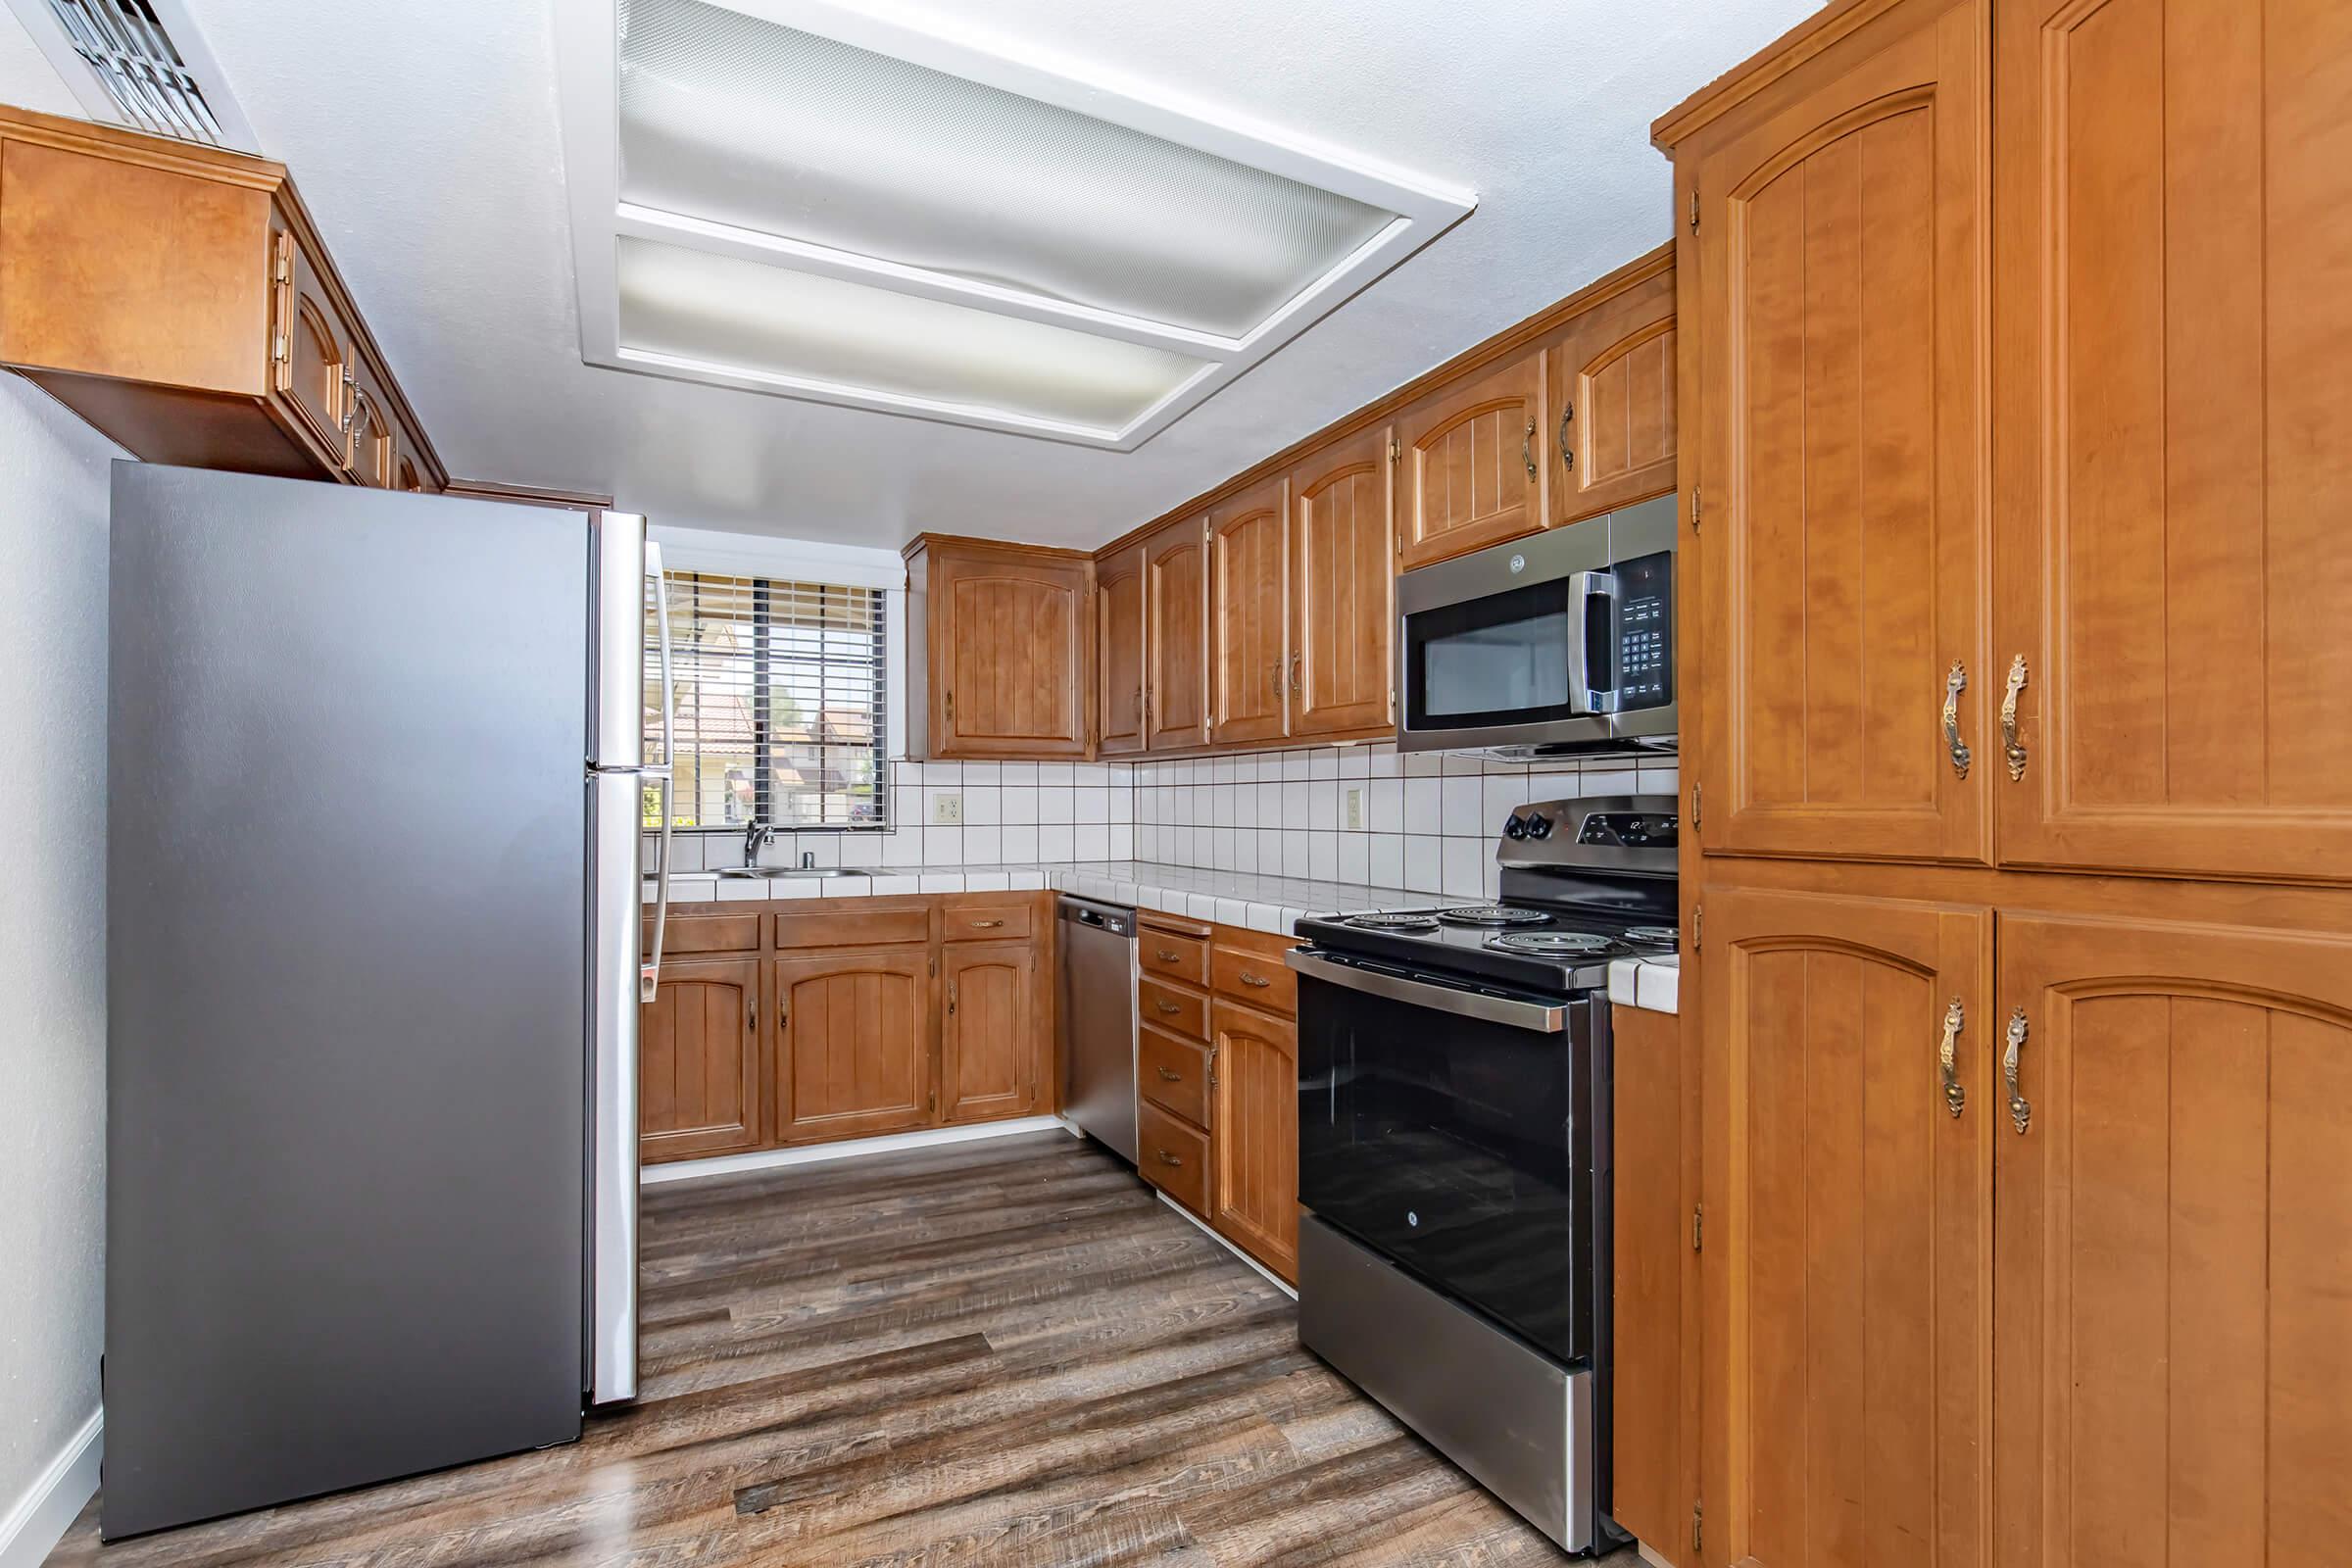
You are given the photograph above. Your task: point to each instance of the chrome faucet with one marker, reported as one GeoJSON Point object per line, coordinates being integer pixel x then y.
{"type": "Point", "coordinates": [757, 837]}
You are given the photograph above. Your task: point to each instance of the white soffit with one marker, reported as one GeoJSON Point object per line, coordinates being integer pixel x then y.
{"type": "Point", "coordinates": [809, 198]}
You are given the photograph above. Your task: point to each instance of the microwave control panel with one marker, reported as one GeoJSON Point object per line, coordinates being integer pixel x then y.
{"type": "Point", "coordinates": [1646, 631]}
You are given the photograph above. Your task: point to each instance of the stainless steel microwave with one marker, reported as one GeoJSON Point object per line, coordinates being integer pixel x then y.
{"type": "Point", "coordinates": [1558, 644]}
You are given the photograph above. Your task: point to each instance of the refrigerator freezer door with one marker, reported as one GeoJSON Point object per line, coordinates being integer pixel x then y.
{"type": "Point", "coordinates": [346, 1019]}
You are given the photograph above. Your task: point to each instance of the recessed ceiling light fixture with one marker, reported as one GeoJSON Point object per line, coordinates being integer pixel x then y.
{"type": "Point", "coordinates": [814, 199]}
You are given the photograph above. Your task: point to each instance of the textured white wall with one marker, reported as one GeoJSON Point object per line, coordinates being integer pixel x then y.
{"type": "Point", "coordinates": [53, 507]}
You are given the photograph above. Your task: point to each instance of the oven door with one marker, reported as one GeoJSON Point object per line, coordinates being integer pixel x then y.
{"type": "Point", "coordinates": [1461, 1133]}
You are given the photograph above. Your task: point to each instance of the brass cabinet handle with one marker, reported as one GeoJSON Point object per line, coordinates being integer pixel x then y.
{"type": "Point", "coordinates": [1166, 1159]}
{"type": "Point", "coordinates": [1167, 1007]}
{"type": "Point", "coordinates": [1954, 684]}
{"type": "Point", "coordinates": [986, 925]}
{"type": "Point", "coordinates": [1171, 1077]}
{"type": "Point", "coordinates": [1294, 673]}
{"type": "Point", "coordinates": [1947, 1055]}
{"type": "Point", "coordinates": [950, 996]}
{"type": "Point", "coordinates": [1258, 980]}
{"type": "Point", "coordinates": [2019, 1112]}
{"type": "Point", "coordinates": [1275, 674]}
{"type": "Point", "coordinates": [1527, 449]}
{"type": "Point", "coordinates": [349, 399]}
{"type": "Point", "coordinates": [1567, 449]}
{"type": "Point", "coordinates": [2009, 740]}
{"type": "Point", "coordinates": [1164, 955]}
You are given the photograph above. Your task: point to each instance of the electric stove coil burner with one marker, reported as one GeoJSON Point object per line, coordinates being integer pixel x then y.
{"type": "Point", "coordinates": [1493, 914]}
{"type": "Point", "coordinates": [1550, 944]}
{"type": "Point", "coordinates": [1392, 922]}
{"type": "Point", "coordinates": [1664, 935]}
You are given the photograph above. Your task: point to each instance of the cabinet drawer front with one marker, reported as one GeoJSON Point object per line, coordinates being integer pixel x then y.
{"type": "Point", "coordinates": [1170, 1007]}
{"type": "Point", "coordinates": [706, 933]}
{"type": "Point", "coordinates": [1172, 1074]}
{"type": "Point", "coordinates": [987, 920]}
{"type": "Point", "coordinates": [1256, 980]}
{"type": "Point", "coordinates": [854, 928]}
{"type": "Point", "coordinates": [1173, 1157]}
{"type": "Point", "coordinates": [1184, 958]}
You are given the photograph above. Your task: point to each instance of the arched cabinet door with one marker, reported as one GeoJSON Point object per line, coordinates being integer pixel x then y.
{"type": "Point", "coordinates": [1847, 1217]}
{"type": "Point", "coordinates": [1248, 585]}
{"type": "Point", "coordinates": [1836, 292]}
{"type": "Point", "coordinates": [1343, 568]}
{"type": "Point", "coordinates": [988, 1040]}
{"type": "Point", "coordinates": [1119, 660]}
{"type": "Point", "coordinates": [2173, 1274]}
{"type": "Point", "coordinates": [698, 1055]}
{"type": "Point", "coordinates": [1472, 461]}
{"type": "Point", "coordinates": [854, 1043]}
{"type": "Point", "coordinates": [1611, 384]}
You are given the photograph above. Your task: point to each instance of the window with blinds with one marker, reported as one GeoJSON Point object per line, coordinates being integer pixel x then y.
{"type": "Point", "coordinates": [781, 704]}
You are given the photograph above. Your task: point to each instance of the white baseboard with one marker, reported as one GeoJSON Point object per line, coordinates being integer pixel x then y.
{"type": "Point", "coordinates": [36, 1521]}
{"type": "Point", "coordinates": [686, 1171]}
{"type": "Point", "coordinates": [1211, 1233]}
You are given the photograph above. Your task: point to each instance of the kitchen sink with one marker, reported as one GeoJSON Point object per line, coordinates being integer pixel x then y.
{"type": "Point", "coordinates": [793, 873]}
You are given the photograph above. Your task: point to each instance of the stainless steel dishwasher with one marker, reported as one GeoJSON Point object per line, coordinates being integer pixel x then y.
{"type": "Point", "coordinates": [1098, 1020]}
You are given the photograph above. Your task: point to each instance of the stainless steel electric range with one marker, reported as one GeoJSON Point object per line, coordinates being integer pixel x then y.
{"type": "Point", "coordinates": [1455, 1072]}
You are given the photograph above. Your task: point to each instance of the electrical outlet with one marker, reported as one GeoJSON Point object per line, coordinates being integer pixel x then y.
{"type": "Point", "coordinates": [1356, 808]}
{"type": "Point", "coordinates": [946, 809]}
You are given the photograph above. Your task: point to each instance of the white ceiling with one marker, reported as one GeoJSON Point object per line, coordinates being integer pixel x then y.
{"type": "Point", "coordinates": [424, 136]}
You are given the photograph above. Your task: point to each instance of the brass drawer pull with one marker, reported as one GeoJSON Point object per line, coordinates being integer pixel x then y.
{"type": "Point", "coordinates": [1947, 1055]}
{"type": "Point", "coordinates": [1258, 980]}
{"type": "Point", "coordinates": [1954, 684]}
{"type": "Point", "coordinates": [1164, 955]}
{"type": "Point", "coordinates": [1171, 1077]}
{"type": "Point", "coordinates": [1166, 1159]}
{"type": "Point", "coordinates": [2019, 1112]}
{"type": "Point", "coordinates": [1167, 1007]}
{"type": "Point", "coordinates": [2009, 740]}
{"type": "Point", "coordinates": [986, 925]}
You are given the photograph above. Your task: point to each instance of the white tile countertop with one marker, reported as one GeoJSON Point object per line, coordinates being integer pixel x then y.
{"type": "Point", "coordinates": [1255, 901]}
{"type": "Point", "coordinates": [1652, 984]}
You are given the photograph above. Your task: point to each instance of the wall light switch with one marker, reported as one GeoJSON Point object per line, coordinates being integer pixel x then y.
{"type": "Point", "coordinates": [1356, 808]}
{"type": "Point", "coordinates": [947, 808]}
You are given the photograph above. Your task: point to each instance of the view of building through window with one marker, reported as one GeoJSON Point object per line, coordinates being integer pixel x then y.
{"type": "Point", "coordinates": [780, 703]}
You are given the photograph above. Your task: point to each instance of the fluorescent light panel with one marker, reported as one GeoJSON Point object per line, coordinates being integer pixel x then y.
{"type": "Point", "coordinates": [743, 122]}
{"type": "Point", "coordinates": [793, 326]}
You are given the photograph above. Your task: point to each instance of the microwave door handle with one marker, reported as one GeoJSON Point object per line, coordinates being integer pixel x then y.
{"type": "Point", "coordinates": [1582, 588]}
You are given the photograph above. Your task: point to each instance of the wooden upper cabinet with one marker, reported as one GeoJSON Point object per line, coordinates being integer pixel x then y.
{"type": "Point", "coordinates": [1343, 566]}
{"type": "Point", "coordinates": [2172, 561]}
{"type": "Point", "coordinates": [988, 1030]}
{"type": "Point", "coordinates": [1253, 1084]}
{"type": "Point", "coordinates": [1610, 385]}
{"type": "Point", "coordinates": [180, 299]}
{"type": "Point", "coordinates": [1176, 639]}
{"type": "Point", "coordinates": [1836, 297]}
{"type": "Point", "coordinates": [854, 1046]}
{"type": "Point", "coordinates": [699, 1060]}
{"type": "Point", "coordinates": [1006, 651]}
{"type": "Point", "coordinates": [1119, 652]}
{"type": "Point", "coordinates": [1848, 1212]}
{"type": "Point", "coordinates": [1471, 454]}
{"type": "Point", "coordinates": [2172, 1240]}
{"type": "Point", "coordinates": [371, 443]}
{"type": "Point", "coordinates": [1248, 590]}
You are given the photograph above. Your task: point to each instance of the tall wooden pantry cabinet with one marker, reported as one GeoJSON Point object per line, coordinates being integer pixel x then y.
{"type": "Point", "coordinates": [2016, 449]}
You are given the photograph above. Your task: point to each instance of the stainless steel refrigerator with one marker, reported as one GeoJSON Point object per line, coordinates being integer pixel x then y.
{"type": "Point", "coordinates": [376, 767]}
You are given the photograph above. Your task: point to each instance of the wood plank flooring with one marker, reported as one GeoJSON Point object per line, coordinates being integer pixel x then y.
{"type": "Point", "coordinates": [998, 1352]}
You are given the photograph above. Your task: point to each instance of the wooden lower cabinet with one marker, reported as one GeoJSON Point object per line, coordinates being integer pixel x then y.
{"type": "Point", "coordinates": [988, 1060]}
{"type": "Point", "coordinates": [1653, 1401]}
{"type": "Point", "coordinates": [2173, 1284]}
{"type": "Point", "coordinates": [1253, 1087]}
{"type": "Point", "coordinates": [1847, 1228]}
{"type": "Point", "coordinates": [852, 1044]}
{"type": "Point", "coordinates": [697, 1082]}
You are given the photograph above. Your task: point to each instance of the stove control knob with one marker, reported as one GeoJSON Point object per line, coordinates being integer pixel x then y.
{"type": "Point", "coordinates": [1538, 826]}
{"type": "Point", "coordinates": [1515, 827]}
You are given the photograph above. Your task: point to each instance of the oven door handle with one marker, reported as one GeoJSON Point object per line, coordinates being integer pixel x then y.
{"type": "Point", "coordinates": [1539, 1018]}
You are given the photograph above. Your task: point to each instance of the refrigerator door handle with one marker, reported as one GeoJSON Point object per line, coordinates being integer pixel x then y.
{"type": "Point", "coordinates": [649, 975]}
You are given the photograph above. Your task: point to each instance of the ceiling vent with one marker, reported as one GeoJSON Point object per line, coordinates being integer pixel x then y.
{"type": "Point", "coordinates": [140, 63]}
{"type": "Point", "coordinates": [814, 199]}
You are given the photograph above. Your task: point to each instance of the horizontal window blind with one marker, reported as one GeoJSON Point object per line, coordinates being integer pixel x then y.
{"type": "Point", "coordinates": [781, 704]}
